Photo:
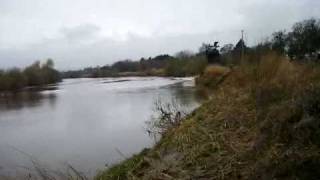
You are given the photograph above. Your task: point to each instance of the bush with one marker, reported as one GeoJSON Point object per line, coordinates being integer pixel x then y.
{"type": "Point", "coordinates": [33, 75]}
{"type": "Point", "coordinates": [168, 115]}
{"type": "Point", "coordinates": [186, 67]}
{"type": "Point", "coordinates": [212, 76]}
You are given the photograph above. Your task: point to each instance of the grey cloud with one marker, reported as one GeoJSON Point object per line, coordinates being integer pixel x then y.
{"type": "Point", "coordinates": [100, 32]}
{"type": "Point", "coordinates": [100, 51]}
{"type": "Point", "coordinates": [85, 32]}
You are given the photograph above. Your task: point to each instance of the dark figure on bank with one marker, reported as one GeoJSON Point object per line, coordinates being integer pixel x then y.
{"type": "Point", "coordinates": [212, 53]}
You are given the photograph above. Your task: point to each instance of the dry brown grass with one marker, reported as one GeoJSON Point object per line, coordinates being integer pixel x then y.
{"type": "Point", "coordinates": [215, 71]}
{"type": "Point", "coordinates": [211, 77]}
{"type": "Point", "coordinates": [261, 122]}
{"type": "Point", "coordinates": [250, 122]}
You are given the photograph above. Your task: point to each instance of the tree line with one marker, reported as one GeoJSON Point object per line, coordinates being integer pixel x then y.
{"type": "Point", "coordinates": [36, 74]}
{"type": "Point", "coordinates": [302, 42]}
{"type": "Point", "coordinates": [184, 63]}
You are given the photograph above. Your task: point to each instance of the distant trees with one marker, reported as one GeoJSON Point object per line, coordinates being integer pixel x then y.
{"type": "Point", "coordinates": [225, 54]}
{"type": "Point", "coordinates": [126, 66]}
{"type": "Point", "coordinates": [304, 40]}
{"type": "Point", "coordinates": [211, 52]}
{"type": "Point", "coordinates": [184, 54]}
{"type": "Point", "coordinates": [49, 74]}
{"type": "Point", "coordinates": [279, 42]}
{"type": "Point", "coordinates": [33, 75]}
{"type": "Point", "coordinates": [226, 49]}
{"type": "Point", "coordinates": [189, 66]}
{"type": "Point", "coordinates": [11, 79]}
{"type": "Point", "coordinates": [185, 63]}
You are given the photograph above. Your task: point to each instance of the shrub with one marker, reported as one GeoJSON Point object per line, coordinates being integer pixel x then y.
{"type": "Point", "coordinates": [167, 115]}
{"type": "Point", "coordinates": [211, 77]}
{"type": "Point", "coordinates": [186, 67]}
{"type": "Point", "coordinates": [33, 75]}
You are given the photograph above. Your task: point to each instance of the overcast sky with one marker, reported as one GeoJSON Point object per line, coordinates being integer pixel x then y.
{"type": "Point", "coordinates": [79, 33]}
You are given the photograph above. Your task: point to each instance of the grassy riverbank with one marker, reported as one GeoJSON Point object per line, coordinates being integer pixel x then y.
{"type": "Point", "coordinates": [261, 122]}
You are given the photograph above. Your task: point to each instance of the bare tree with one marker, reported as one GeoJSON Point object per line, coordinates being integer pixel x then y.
{"type": "Point", "coordinates": [167, 115]}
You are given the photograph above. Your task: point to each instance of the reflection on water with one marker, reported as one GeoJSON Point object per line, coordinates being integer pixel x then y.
{"type": "Point", "coordinates": [83, 121]}
{"type": "Point", "coordinates": [25, 99]}
{"type": "Point", "coordinates": [184, 93]}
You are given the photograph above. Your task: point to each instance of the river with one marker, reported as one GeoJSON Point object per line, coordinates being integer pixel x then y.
{"type": "Point", "coordinates": [88, 123]}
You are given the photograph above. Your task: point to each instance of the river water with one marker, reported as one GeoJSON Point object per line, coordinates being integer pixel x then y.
{"type": "Point", "coordinates": [87, 123]}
